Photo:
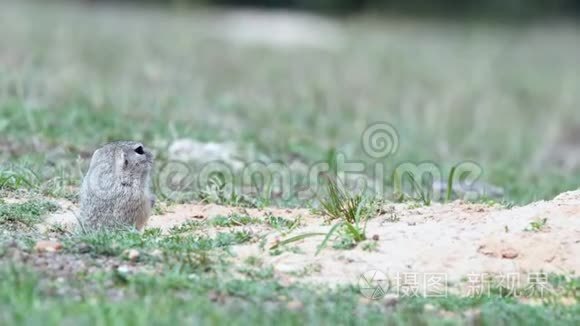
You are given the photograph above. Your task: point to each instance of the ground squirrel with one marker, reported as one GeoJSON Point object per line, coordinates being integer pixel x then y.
{"type": "Point", "coordinates": [116, 191]}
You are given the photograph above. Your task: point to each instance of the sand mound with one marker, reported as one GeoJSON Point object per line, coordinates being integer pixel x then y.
{"type": "Point", "coordinates": [457, 239]}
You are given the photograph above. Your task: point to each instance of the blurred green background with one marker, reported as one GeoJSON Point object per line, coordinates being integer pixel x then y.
{"type": "Point", "coordinates": [294, 87]}
{"type": "Point", "coordinates": [490, 8]}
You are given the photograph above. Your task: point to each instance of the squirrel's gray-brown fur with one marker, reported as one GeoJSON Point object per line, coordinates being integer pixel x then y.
{"type": "Point", "coordinates": [116, 191]}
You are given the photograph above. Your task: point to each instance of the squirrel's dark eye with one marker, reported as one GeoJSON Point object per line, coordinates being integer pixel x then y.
{"type": "Point", "coordinates": [126, 162]}
{"type": "Point", "coordinates": [139, 150]}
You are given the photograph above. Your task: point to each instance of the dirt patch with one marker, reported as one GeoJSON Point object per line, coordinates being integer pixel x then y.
{"type": "Point", "coordinates": [457, 239]}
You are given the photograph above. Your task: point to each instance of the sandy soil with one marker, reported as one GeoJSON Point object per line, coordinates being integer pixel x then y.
{"type": "Point", "coordinates": [457, 239]}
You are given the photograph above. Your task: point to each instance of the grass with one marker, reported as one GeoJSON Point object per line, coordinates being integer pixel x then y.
{"type": "Point", "coordinates": [218, 192]}
{"type": "Point", "coordinates": [108, 243]}
{"type": "Point", "coordinates": [537, 225]}
{"type": "Point", "coordinates": [25, 214]}
{"type": "Point", "coordinates": [281, 224]}
{"type": "Point", "coordinates": [146, 299]}
{"type": "Point", "coordinates": [233, 220]}
{"type": "Point", "coordinates": [351, 211]}
{"type": "Point", "coordinates": [13, 178]}
{"type": "Point", "coordinates": [450, 179]}
{"type": "Point", "coordinates": [339, 204]}
{"type": "Point", "coordinates": [277, 222]}
{"type": "Point", "coordinates": [419, 192]}
{"type": "Point", "coordinates": [189, 226]}
{"type": "Point", "coordinates": [73, 78]}
{"type": "Point", "coordinates": [177, 271]}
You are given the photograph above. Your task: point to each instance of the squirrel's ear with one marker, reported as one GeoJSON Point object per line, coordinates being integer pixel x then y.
{"type": "Point", "coordinates": [94, 157]}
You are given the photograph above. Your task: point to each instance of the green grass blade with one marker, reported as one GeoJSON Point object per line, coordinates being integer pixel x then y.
{"type": "Point", "coordinates": [328, 235]}
{"type": "Point", "coordinates": [450, 184]}
{"type": "Point", "coordinates": [422, 192]}
{"type": "Point", "coordinates": [356, 232]}
{"type": "Point", "coordinates": [296, 238]}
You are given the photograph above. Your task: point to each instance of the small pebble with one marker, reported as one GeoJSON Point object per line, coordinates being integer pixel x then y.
{"type": "Point", "coordinates": [133, 255]}
{"type": "Point", "coordinates": [47, 246]}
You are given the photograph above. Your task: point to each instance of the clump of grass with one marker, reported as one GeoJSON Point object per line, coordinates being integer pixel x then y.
{"type": "Point", "coordinates": [12, 178]}
{"type": "Point", "coordinates": [352, 211]}
{"type": "Point", "coordinates": [255, 261]}
{"type": "Point", "coordinates": [227, 239]}
{"type": "Point", "coordinates": [309, 269]}
{"type": "Point", "coordinates": [340, 205]}
{"type": "Point", "coordinates": [371, 245]}
{"type": "Point", "coordinates": [277, 222]}
{"type": "Point", "coordinates": [185, 254]}
{"type": "Point", "coordinates": [421, 193]}
{"type": "Point", "coordinates": [234, 220]}
{"type": "Point", "coordinates": [257, 272]}
{"type": "Point", "coordinates": [218, 192]}
{"type": "Point", "coordinates": [105, 243]}
{"type": "Point", "coordinates": [27, 213]}
{"type": "Point", "coordinates": [160, 208]}
{"type": "Point", "coordinates": [537, 225]}
{"type": "Point", "coordinates": [565, 285]}
{"type": "Point", "coordinates": [349, 235]}
{"type": "Point", "coordinates": [282, 249]}
{"type": "Point", "coordinates": [188, 226]}
{"type": "Point", "coordinates": [281, 223]}
{"type": "Point", "coordinates": [190, 261]}
{"type": "Point", "coordinates": [115, 243]}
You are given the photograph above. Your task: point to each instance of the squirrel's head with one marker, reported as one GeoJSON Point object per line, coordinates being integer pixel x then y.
{"type": "Point", "coordinates": [128, 160]}
{"type": "Point", "coordinates": [134, 158]}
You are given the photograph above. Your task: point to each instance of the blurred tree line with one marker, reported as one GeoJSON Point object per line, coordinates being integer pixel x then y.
{"type": "Point", "coordinates": [501, 8]}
